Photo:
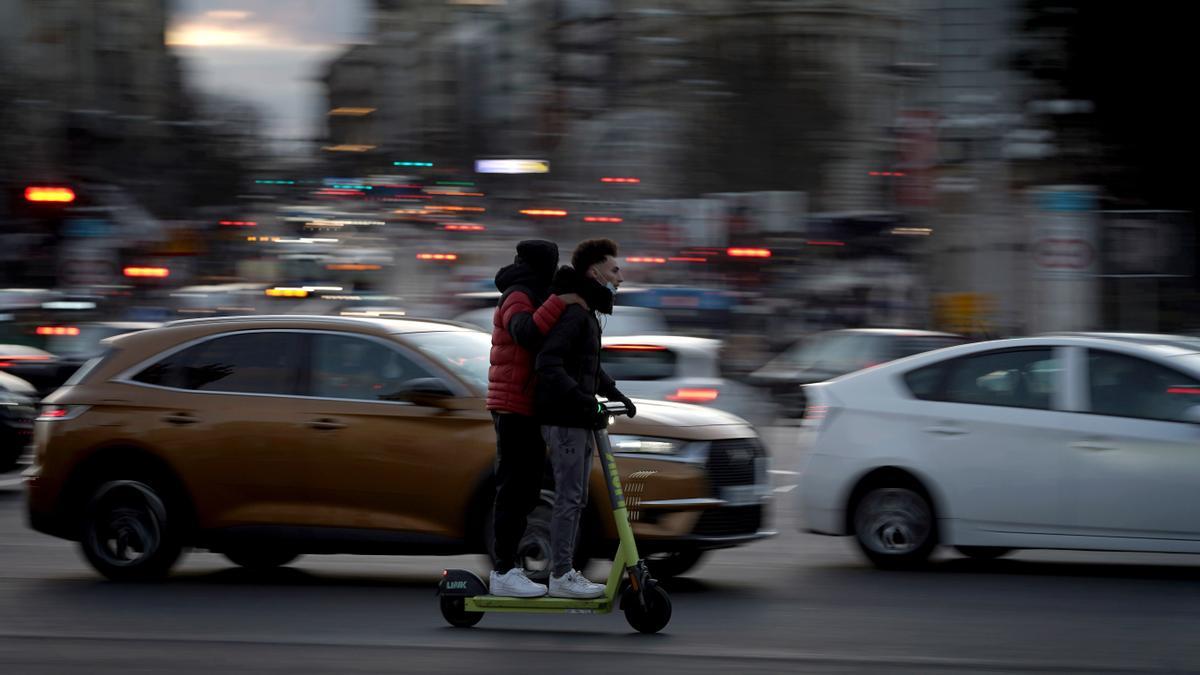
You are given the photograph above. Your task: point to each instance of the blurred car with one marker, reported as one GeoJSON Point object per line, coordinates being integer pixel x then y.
{"type": "Point", "coordinates": [623, 320]}
{"type": "Point", "coordinates": [264, 438]}
{"type": "Point", "coordinates": [824, 356]}
{"type": "Point", "coordinates": [75, 345]}
{"type": "Point", "coordinates": [62, 349]}
{"type": "Point", "coordinates": [1063, 442]}
{"type": "Point", "coordinates": [18, 406]}
{"type": "Point", "coordinates": [215, 299]}
{"type": "Point", "coordinates": [681, 369]}
{"type": "Point", "coordinates": [36, 366]}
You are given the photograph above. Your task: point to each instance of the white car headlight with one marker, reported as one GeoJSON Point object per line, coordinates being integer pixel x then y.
{"type": "Point", "coordinates": [646, 445]}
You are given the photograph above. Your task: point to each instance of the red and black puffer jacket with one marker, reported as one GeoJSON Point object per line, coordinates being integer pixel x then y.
{"type": "Point", "coordinates": [518, 329]}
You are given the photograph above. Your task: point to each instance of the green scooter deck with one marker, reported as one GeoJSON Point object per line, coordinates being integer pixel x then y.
{"type": "Point", "coordinates": [496, 603]}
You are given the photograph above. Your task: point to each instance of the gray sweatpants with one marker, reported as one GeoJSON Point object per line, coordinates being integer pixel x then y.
{"type": "Point", "coordinates": [571, 451]}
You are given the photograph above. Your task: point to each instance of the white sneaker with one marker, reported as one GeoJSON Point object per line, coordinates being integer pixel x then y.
{"type": "Point", "coordinates": [514, 584]}
{"type": "Point", "coordinates": [574, 585]}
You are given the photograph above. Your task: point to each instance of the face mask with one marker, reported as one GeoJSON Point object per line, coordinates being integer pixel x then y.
{"type": "Point", "coordinates": [612, 288]}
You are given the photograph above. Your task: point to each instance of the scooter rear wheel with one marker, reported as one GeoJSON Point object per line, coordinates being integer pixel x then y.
{"type": "Point", "coordinates": [455, 613]}
{"type": "Point", "coordinates": [654, 616]}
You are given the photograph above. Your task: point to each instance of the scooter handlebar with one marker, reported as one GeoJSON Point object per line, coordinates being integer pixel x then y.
{"type": "Point", "coordinates": [615, 408]}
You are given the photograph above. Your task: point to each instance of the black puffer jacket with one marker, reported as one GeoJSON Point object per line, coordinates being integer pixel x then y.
{"type": "Point", "coordinates": [568, 367]}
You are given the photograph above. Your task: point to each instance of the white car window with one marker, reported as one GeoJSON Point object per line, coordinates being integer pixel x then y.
{"type": "Point", "coordinates": [1023, 378]}
{"type": "Point", "coordinates": [1126, 386]}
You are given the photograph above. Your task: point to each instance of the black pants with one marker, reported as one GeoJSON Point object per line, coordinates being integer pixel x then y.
{"type": "Point", "coordinates": [520, 464]}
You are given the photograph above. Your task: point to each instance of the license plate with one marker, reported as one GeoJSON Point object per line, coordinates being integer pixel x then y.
{"type": "Point", "coordinates": [742, 495]}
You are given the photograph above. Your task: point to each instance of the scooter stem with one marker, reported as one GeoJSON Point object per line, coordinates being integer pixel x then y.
{"type": "Point", "coordinates": [627, 554]}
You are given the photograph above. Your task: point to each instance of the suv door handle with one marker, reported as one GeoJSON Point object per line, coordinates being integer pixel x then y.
{"type": "Point", "coordinates": [946, 430]}
{"type": "Point", "coordinates": [326, 424]}
{"type": "Point", "coordinates": [1094, 445]}
{"type": "Point", "coordinates": [180, 418]}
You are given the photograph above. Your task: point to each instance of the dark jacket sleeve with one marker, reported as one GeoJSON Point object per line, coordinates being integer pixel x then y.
{"type": "Point", "coordinates": [527, 327]}
{"type": "Point", "coordinates": [608, 388]}
{"type": "Point", "coordinates": [551, 369]}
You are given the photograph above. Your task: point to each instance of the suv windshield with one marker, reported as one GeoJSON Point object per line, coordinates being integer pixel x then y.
{"type": "Point", "coordinates": [465, 353]}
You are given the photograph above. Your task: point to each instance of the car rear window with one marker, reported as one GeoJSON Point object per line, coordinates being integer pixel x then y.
{"type": "Point", "coordinates": [256, 363]}
{"type": "Point", "coordinates": [1016, 378]}
{"type": "Point", "coordinates": [638, 362]}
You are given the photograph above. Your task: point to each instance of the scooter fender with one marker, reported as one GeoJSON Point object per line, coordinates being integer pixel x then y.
{"type": "Point", "coordinates": [461, 584]}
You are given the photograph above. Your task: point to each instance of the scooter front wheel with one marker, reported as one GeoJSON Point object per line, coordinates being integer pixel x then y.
{"type": "Point", "coordinates": [455, 612]}
{"type": "Point", "coordinates": [654, 615]}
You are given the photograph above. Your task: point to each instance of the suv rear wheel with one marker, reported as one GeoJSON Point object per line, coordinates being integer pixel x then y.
{"type": "Point", "coordinates": [127, 531]}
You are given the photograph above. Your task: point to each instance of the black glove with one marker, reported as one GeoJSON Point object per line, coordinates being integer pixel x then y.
{"type": "Point", "coordinates": [599, 418]}
{"type": "Point", "coordinates": [630, 408]}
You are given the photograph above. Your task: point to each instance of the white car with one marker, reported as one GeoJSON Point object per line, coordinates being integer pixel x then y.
{"type": "Point", "coordinates": [1085, 441]}
{"type": "Point", "coordinates": [681, 369]}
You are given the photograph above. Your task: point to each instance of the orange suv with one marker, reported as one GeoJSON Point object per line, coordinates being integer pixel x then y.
{"type": "Point", "coordinates": [267, 437]}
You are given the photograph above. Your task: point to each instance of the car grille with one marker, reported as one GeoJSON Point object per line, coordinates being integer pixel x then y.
{"type": "Point", "coordinates": [730, 521]}
{"type": "Point", "coordinates": [735, 462]}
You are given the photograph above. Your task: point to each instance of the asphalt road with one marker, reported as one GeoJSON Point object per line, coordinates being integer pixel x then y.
{"type": "Point", "coordinates": [797, 603]}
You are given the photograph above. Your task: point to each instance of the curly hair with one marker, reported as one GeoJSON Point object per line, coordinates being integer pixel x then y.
{"type": "Point", "coordinates": [592, 251]}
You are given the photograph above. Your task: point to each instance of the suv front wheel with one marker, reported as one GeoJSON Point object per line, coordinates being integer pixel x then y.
{"type": "Point", "coordinates": [127, 532]}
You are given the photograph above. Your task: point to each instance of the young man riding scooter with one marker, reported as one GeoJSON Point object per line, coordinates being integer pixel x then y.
{"type": "Point", "coordinates": [569, 377]}
{"type": "Point", "coordinates": [525, 313]}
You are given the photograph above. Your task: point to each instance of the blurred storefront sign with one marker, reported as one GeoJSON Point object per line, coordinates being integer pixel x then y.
{"type": "Point", "coordinates": [1065, 233]}
{"type": "Point", "coordinates": [88, 262]}
{"type": "Point", "coordinates": [1064, 257]}
{"type": "Point", "coordinates": [512, 166]}
{"type": "Point", "coordinates": [965, 313]}
{"type": "Point", "coordinates": [1146, 257]}
{"type": "Point", "coordinates": [1147, 243]}
{"type": "Point", "coordinates": [918, 159]}
{"type": "Point", "coordinates": [87, 227]}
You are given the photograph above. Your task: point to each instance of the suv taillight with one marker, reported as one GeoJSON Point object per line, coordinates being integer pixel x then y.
{"type": "Point", "coordinates": [54, 413]}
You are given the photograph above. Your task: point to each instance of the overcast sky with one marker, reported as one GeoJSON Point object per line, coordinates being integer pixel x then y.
{"type": "Point", "coordinates": [266, 52]}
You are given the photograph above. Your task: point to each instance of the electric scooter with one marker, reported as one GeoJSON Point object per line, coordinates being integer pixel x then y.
{"type": "Point", "coordinates": [464, 596]}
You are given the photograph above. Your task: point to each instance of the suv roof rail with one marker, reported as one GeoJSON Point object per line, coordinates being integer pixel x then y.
{"type": "Point", "coordinates": [312, 317]}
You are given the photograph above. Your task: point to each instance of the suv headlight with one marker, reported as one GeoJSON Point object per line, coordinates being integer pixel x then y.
{"type": "Point", "coordinates": [646, 445]}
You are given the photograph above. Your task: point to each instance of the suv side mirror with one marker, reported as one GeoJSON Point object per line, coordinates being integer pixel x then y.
{"type": "Point", "coordinates": [423, 391]}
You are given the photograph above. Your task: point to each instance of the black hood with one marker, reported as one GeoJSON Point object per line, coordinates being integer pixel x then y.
{"type": "Point", "coordinates": [568, 280]}
{"type": "Point", "coordinates": [533, 268]}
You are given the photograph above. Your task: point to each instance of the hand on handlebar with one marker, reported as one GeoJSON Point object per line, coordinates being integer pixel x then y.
{"type": "Point", "coordinates": [620, 406]}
